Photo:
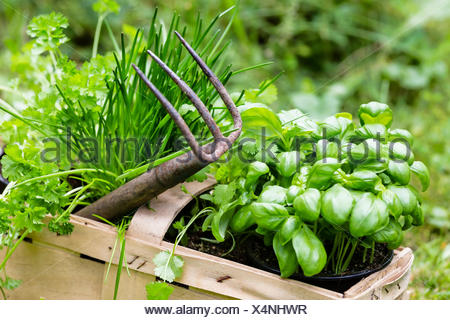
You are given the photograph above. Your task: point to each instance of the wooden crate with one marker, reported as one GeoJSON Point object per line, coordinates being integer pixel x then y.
{"type": "Point", "coordinates": [74, 266]}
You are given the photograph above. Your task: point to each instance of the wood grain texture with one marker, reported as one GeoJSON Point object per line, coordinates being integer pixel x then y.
{"type": "Point", "coordinates": [152, 223]}
{"type": "Point", "coordinates": [388, 283]}
{"type": "Point", "coordinates": [53, 273]}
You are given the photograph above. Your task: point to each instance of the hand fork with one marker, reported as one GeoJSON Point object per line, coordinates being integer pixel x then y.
{"type": "Point", "coordinates": [140, 190]}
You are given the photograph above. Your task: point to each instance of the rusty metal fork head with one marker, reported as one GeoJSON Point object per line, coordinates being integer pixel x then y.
{"type": "Point", "coordinates": [140, 190]}
{"type": "Point", "coordinates": [221, 144]}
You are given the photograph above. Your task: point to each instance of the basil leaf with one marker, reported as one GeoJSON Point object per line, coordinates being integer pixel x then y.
{"type": "Point", "coordinates": [301, 178]}
{"type": "Point", "coordinates": [407, 222]}
{"type": "Point", "coordinates": [362, 180]}
{"type": "Point", "coordinates": [368, 216]}
{"type": "Point", "coordinates": [421, 171]}
{"type": "Point", "coordinates": [375, 112]}
{"type": "Point", "coordinates": [399, 171]}
{"type": "Point", "coordinates": [417, 215]}
{"type": "Point", "coordinates": [310, 252]}
{"type": "Point", "coordinates": [407, 198]}
{"type": "Point", "coordinates": [255, 170]}
{"type": "Point", "coordinates": [367, 150]}
{"type": "Point", "coordinates": [392, 202]}
{"type": "Point", "coordinates": [273, 194]}
{"type": "Point", "coordinates": [321, 173]}
{"type": "Point", "coordinates": [242, 219]}
{"type": "Point", "coordinates": [401, 151]}
{"type": "Point", "coordinates": [334, 126]}
{"type": "Point", "coordinates": [375, 131]}
{"type": "Point", "coordinates": [288, 162]}
{"type": "Point", "coordinates": [336, 206]}
{"type": "Point", "coordinates": [219, 224]}
{"type": "Point", "coordinates": [269, 215]}
{"type": "Point", "coordinates": [289, 227]}
{"type": "Point", "coordinates": [327, 149]}
{"type": "Point", "coordinates": [307, 205]}
{"type": "Point", "coordinates": [401, 134]}
{"type": "Point", "coordinates": [262, 121]}
{"type": "Point", "coordinates": [285, 256]}
{"type": "Point", "coordinates": [292, 193]}
{"type": "Point", "coordinates": [392, 234]}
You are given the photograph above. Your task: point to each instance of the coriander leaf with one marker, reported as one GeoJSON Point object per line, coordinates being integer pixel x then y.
{"type": "Point", "coordinates": [158, 291]}
{"type": "Point", "coordinates": [167, 266]}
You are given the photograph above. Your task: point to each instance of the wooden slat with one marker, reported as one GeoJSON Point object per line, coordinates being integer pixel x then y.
{"type": "Point", "coordinates": [51, 273]}
{"type": "Point", "coordinates": [388, 283]}
{"type": "Point", "coordinates": [131, 287]}
{"type": "Point", "coordinates": [152, 224]}
{"type": "Point", "coordinates": [201, 270]}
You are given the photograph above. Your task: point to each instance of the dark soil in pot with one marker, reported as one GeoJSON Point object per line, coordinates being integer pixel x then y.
{"type": "Point", "coordinates": [253, 252]}
{"type": "Point", "coordinates": [264, 258]}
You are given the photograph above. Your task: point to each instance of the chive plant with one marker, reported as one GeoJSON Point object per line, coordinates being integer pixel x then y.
{"type": "Point", "coordinates": [132, 129]}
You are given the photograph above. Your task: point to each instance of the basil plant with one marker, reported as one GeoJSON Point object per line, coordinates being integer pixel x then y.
{"type": "Point", "coordinates": [315, 191]}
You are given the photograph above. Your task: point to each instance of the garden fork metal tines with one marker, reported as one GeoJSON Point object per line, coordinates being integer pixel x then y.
{"type": "Point", "coordinates": [155, 181]}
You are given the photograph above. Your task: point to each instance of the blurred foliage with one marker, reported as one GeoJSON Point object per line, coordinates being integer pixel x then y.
{"type": "Point", "coordinates": [335, 55]}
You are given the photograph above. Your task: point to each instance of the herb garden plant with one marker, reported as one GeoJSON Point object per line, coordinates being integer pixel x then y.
{"type": "Point", "coordinates": [316, 191]}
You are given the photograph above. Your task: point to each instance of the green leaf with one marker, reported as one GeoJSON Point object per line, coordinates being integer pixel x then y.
{"type": "Point", "coordinates": [309, 250]}
{"type": "Point", "coordinates": [268, 96]}
{"type": "Point", "coordinates": [9, 283]}
{"type": "Point", "coordinates": [334, 126]}
{"type": "Point", "coordinates": [224, 193]}
{"type": "Point", "coordinates": [401, 151]}
{"type": "Point", "coordinates": [158, 290]}
{"type": "Point", "coordinates": [307, 205]}
{"type": "Point", "coordinates": [321, 173]}
{"type": "Point", "coordinates": [364, 180]}
{"type": "Point", "coordinates": [288, 162]}
{"type": "Point", "coordinates": [300, 179]}
{"type": "Point", "coordinates": [407, 198]}
{"type": "Point", "coordinates": [255, 170]}
{"type": "Point", "coordinates": [407, 222]}
{"type": "Point", "coordinates": [220, 222]}
{"type": "Point", "coordinates": [401, 134]}
{"type": "Point", "coordinates": [167, 266]}
{"type": "Point", "coordinates": [295, 119]}
{"type": "Point", "coordinates": [289, 227]}
{"type": "Point", "coordinates": [292, 193]}
{"type": "Point", "coordinates": [269, 215]}
{"type": "Point", "coordinates": [418, 216]}
{"type": "Point", "coordinates": [375, 112]}
{"type": "Point", "coordinates": [327, 149]}
{"type": "Point", "coordinates": [337, 204]}
{"type": "Point", "coordinates": [273, 194]}
{"type": "Point", "coordinates": [48, 31]}
{"type": "Point", "coordinates": [399, 171]}
{"type": "Point", "coordinates": [106, 6]}
{"type": "Point", "coordinates": [392, 202]}
{"type": "Point", "coordinates": [392, 234]}
{"type": "Point", "coordinates": [285, 256]}
{"type": "Point", "coordinates": [421, 171]}
{"type": "Point", "coordinates": [255, 119]}
{"type": "Point", "coordinates": [242, 220]}
{"type": "Point", "coordinates": [369, 131]}
{"type": "Point", "coordinates": [368, 216]}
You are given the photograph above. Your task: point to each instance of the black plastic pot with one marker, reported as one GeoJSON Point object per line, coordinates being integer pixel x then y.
{"type": "Point", "coordinates": [335, 282]}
